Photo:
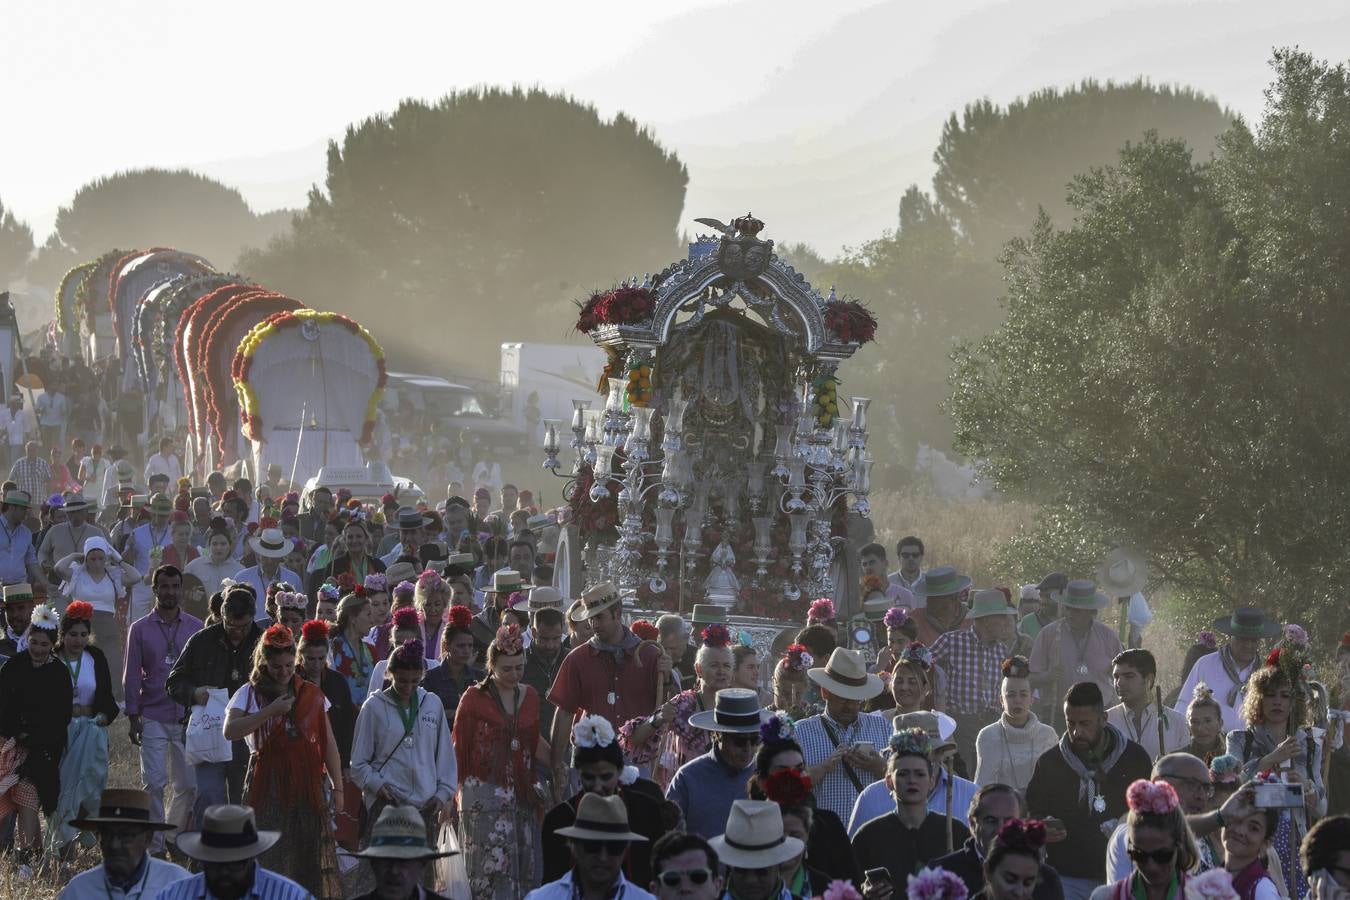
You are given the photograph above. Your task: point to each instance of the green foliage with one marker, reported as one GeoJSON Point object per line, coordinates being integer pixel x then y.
{"type": "Point", "coordinates": [1171, 372]}
{"type": "Point", "coordinates": [150, 208]}
{"type": "Point", "coordinates": [16, 242]}
{"type": "Point", "coordinates": [487, 207]}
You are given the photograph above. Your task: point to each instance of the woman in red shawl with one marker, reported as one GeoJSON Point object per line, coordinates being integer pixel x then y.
{"type": "Point", "coordinates": [283, 719]}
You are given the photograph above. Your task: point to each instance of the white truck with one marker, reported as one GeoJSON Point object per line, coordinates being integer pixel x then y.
{"type": "Point", "coordinates": [553, 375]}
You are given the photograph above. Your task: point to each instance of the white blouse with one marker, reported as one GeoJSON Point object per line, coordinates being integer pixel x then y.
{"type": "Point", "coordinates": [101, 594]}
{"type": "Point", "coordinates": [87, 683]}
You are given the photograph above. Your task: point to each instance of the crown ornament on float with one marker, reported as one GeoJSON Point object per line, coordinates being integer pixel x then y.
{"type": "Point", "coordinates": [719, 464]}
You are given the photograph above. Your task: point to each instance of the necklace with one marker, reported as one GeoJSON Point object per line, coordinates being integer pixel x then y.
{"type": "Point", "coordinates": [407, 716]}
{"type": "Point", "coordinates": [1081, 647]}
{"type": "Point", "coordinates": [511, 716]}
{"type": "Point", "coordinates": [74, 671]}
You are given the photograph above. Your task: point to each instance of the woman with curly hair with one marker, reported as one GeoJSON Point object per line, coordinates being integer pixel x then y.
{"type": "Point", "coordinates": [1013, 862]}
{"type": "Point", "coordinates": [1006, 751]}
{"type": "Point", "coordinates": [456, 671]}
{"type": "Point", "coordinates": [284, 720]}
{"type": "Point", "coordinates": [1161, 846]}
{"type": "Point", "coordinates": [665, 740]}
{"type": "Point", "coordinates": [497, 741]}
{"type": "Point", "coordinates": [35, 710]}
{"type": "Point", "coordinates": [84, 768]}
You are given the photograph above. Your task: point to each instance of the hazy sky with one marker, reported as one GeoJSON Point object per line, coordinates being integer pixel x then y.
{"type": "Point", "coordinates": [815, 115]}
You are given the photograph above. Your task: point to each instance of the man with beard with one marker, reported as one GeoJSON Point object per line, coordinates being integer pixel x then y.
{"type": "Point", "coordinates": [545, 652]}
{"type": "Point", "coordinates": [1078, 787]}
{"type": "Point", "coordinates": [227, 847]}
{"type": "Point", "coordinates": [706, 786]}
{"type": "Point", "coordinates": [154, 718]}
{"type": "Point", "coordinates": [125, 825]}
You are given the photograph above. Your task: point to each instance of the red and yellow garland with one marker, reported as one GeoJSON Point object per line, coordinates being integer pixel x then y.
{"type": "Point", "coordinates": [248, 398]}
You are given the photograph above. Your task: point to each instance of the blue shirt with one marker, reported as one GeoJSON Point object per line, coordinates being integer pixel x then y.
{"type": "Point", "coordinates": [835, 791]}
{"type": "Point", "coordinates": [564, 889]}
{"type": "Point", "coordinates": [704, 788]}
{"type": "Point", "coordinates": [876, 801]}
{"type": "Point", "coordinates": [16, 552]}
{"type": "Point", "coordinates": [266, 886]}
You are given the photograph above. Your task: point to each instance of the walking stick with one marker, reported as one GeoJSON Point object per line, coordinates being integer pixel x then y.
{"type": "Point", "coordinates": [948, 767]}
{"type": "Point", "coordinates": [1157, 693]}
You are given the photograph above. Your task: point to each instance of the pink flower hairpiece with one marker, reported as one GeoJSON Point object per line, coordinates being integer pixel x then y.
{"type": "Point", "coordinates": [291, 600]}
{"type": "Point", "coordinates": [821, 610]}
{"type": "Point", "coordinates": [1212, 884]}
{"type": "Point", "coordinates": [376, 583]}
{"type": "Point", "coordinates": [1225, 769]}
{"type": "Point", "coordinates": [429, 580]}
{"type": "Point", "coordinates": [896, 617]}
{"type": "Point", "coordinates": [517, 598]}
{"type": "Point", "coordinates": [329, 591]}
{"type": "Point", "coordinates": [841, 890]}
{"type": "Point", "coordinates": [407, 618]}
{"type": "Point", "coordinates": [509, 641]}
{"type": "Point", "coordinates": [936, 884]}
{"type": "Point", "coordinates": [409, 654]}
{"type": "Point", "coordinates": [1294, 634]}
{"type": "Point", "coordinates": [1207, 639]}
{"type": "Point", "coordinates": [1156, 797]}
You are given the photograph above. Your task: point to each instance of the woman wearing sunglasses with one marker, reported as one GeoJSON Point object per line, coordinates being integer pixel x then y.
{"type": "Point", "coordinates": [1161, 847]}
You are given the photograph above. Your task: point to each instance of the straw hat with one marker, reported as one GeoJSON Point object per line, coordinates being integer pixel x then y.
{"type": "Point", "coordinates": [121, 806]}
{"type": "Point", "coordinates": [545, 598]}
{"type": "Point", "coordinates": [735, 710]}
{"type": "Point", "coordinates": [1123, 573]}
{"type": "Point", "coordinates": [600, 819]}
{"type": "Point", "coordinates": [508, 581]}
{"type": "Point", "coordinates": [939, 726]}
{"type": "Point", "coordinates": [846, 675]}
{"type": "Point", "coordinates": [754, 837]}
{"type": "Point", "coordinates": [401, 833]}
{"type": "Point", "coordinates": [19, 593]}
{"type": "Point", "coordinates": [594, 600]}
{"type": "Point", "coordinates": [229, 833]}
{"type": "Point", "coordinates": [270, 543]}
{"type": "Point", "coordinates": [989, 602]}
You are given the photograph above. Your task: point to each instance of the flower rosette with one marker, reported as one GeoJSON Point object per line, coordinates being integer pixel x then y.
{"type": "Point", "coordinates": [820, 611]}
{"type": "Point", "coordinates": [1212, 884]}
{"type": "Point", "coordinates": [274, 324]}
{"type": "Point", "coordinates": [936, 884]}
{"type": "Point", "coordinates": [592, 731]}
{"type": "Point", "coordinates": [1156, 797]}
{"type": "Point", "coordinates": [620, 306]}
{"type": "Point", "coordinates": [850, 321]}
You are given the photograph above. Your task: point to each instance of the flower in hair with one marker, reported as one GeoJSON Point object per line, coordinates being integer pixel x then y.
{"type": "Point", "coordinates": [936, 884]}
{"type": "Point", "coordinates": [918, 654]}
{"type": "Point", "coordinates": [798, 658]}
{"type": "Point", "coordinates": [291, 600]}
{"type": "Point", "coordinates": [911, 742]}
{"type": "Point", "coordinates": [873, 584]}
{"type": "Point", "coordinates": [1207, 639]}
{"type": "Point", "coordinates": [430, 579]}
{"type": "Point", "coordinates": [404, 588]}
{"type": "Point", "coordinates": [278, 636]}
{"type": "Point", "coordinates": [376, 583]}
{"type": "Point", "coordinates": [777, 729]}
{"type": "Point", "coordinates": [1202, 691]}
{"type": "Point", "coordinates": [787, 787]}
{"type": "Point", "coordinates": [314, 631]}
{"type": "Point", "coordinates": [79, 611]}
{"type": "Point", "coordinates": [460, 617]}
{"type": "Point", "coordinates": [716, 636]}
{"type": "Point", "coordinates": [509, 640]}
{"type": "Point", "coordinates": [744, 639]}
{"type": "Point", "coordinates": [841, 890]}
{"type": "Point", "coordinates": [896, 617]}
{"type": "Point", "coordinates": [592, 731]}
{"type": "Point", "coordinates": [645, 630]}
{"type": "Point", "coordinates": [408, 655]}
{"type": "Point", "coordinates": [407, 619]}
{"type": "Point", "coordinates": [1016, 667]}
{"type": "Point", "coordinates": [820, 611]}
{"type": "Point", "coordinates": [329, 591]}
{"type": "Point", "coordinates": [1212, 884]}
{"type": "Point", "coordinates": [628, 775]}
{"type": "Point", "coordinates": [1225, 769]}
{"type": "Point", "coordinates": [1294, 634]}
{"type": "Point", "coordinates": [1156, 797]}
{"type": "Point", "coordinates": [44, 618]}
{"type": "Point", "coordinates": [1345, 640]}
{"type": "Point", "coordinates": [1022, 834]}
{"type": "Point", "coordinates": [517, 598]}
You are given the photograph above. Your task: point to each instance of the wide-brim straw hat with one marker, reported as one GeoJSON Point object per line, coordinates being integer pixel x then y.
{"type": "Point", "coordinates": [545, 598]}
{"type": "Point", "coordinates": [594, 600]}
{"type": "Point", "coordinates": [508, 581]}
{"type": "Point", "coordinates": [270, 543]}
{"type": "Point", "coordinates": [1123, 573]}
{"type": "Point", "coordinates": [990, 602]}
{"type": "Point", "coordinates": [1083, 594]}
{"type": "Point", "coordinates": [121, 806]}
{"type": "Point", "coordinates": [401, 833]}
{"type": "Point", "coordinates": [229, 833]}
{"type": "Point", "coordinates": [1247, 622]}
{"type": "Point", "coordinates": [845, 675]}
{"type": "Point", "coordinates": [600, 819]}
{"type": "Point", "coordinates": [754, 837]}
{"type": "Point", "coordinates": [735, 710]}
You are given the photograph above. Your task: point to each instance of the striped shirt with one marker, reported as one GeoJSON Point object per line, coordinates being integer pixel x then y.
{"type": "Point", "coordinates": [266, 886]}
{"type": "Point", "coordinates": [835, 791]}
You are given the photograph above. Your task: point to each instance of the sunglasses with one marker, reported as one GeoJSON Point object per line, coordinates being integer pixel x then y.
{"type": "Point", "coordinates": [673, 877]}
{"type": "Point", "coordinates": [610, 848]}
{"type": "Point", "coordinates": [1161, 857]}
{"type": "Point", "coordinates": [742, 740]}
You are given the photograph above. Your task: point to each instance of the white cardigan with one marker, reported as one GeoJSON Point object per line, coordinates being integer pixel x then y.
{"type": "Point", "coordinates": [1007, 755]}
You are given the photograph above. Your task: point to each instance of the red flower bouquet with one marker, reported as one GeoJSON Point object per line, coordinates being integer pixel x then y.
{"type": "Point", "coordinates": [621, 306]}
{"type": "Point", "coordinates": [850, 321]}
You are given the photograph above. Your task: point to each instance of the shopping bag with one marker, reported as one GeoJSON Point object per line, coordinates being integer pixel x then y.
{"type": "Point", "coordinates": [205, 739]}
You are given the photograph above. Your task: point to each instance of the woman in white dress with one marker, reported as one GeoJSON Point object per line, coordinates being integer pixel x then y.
{"type": "Point", "coordinates": [1006, 751]}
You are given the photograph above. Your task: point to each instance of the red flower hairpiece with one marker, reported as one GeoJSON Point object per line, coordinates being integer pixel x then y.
{"type": "Point", "coordinates": [1273, 660]}
{"type": "Point", "coordinates": [346, 582]}
{"type": "Point", "coordinates": [798, 658]}
{"type": "Point", "coordinates": [1022, 834]}
{"type": "Point", "coordinates": [645, 630]}
{"type": "Point", "coordinates": [716, 636]}
{"type": "Point", "coordinates": [278, 636]}
{"type": "Point", "coordinates": [315, 631]}
{"type": "Point", "coordinates": [80, 611]}
{"type": "Point", "coordinates": [460, 617]}
{"type": "Point", "coordinates": [407, 619]}
{"type": "Point", "coordinates": [788, 787]}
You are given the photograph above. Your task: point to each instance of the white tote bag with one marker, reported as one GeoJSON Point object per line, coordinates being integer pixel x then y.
{"type": "Point", "coordinates": [205, 739]}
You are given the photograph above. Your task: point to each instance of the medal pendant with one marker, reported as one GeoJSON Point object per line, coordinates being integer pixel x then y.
{"type": "Point", "coordinates": [1082, 669]}
{"type": "Point", "coordinates": [234, 674]}
{"type": "Point", "coordinates": [611, 699]}
{"type": "Point", "coordinates": [515, 744]}
{"type": "Point", "coordinates": [408, 742]}
{"type": "Point", "coordinates": [168, 659]}
{"type": "Point", "coordinates": [1099, 804]}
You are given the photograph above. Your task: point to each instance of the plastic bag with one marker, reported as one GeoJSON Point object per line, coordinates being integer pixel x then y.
{"type": "Point", "coordinates": [205, 741]}
{"type": "Point", "coordinates": [452, 877]}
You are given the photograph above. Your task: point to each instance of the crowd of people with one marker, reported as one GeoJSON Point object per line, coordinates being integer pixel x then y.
{"type": "Point", "coordinates": [337, 698]}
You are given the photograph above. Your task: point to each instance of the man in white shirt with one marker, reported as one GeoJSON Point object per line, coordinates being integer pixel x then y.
{"type": "Point", "coordinates": [165, 462]}
{"type": "Point", "coordinates": [1135, 674]}
{"type": "Point", "coordinates": [270, 546]}
{"type": "Point", "coordinates": [1226, 670]}
{"type": "Point", "coordinates": [125, 829]}
{"type": "Point", "coordinates": [910, 551]}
